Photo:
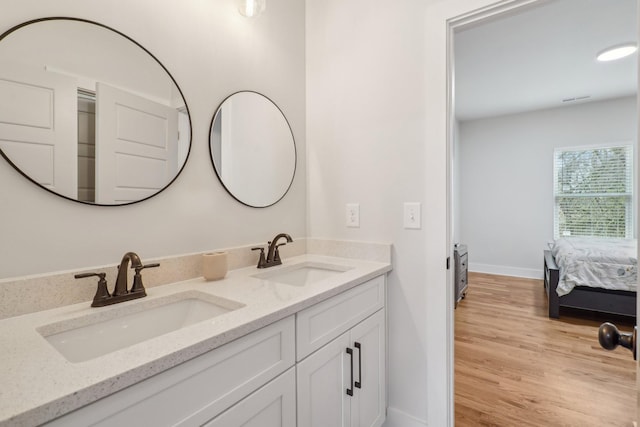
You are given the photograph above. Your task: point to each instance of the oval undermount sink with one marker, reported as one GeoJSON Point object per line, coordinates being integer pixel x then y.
{"type": "Point", "coordinates": [94, 335]}
{"type": "Point", "coordinates": [303, 274]}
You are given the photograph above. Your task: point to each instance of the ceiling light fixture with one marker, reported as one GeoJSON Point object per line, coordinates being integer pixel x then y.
{"type": "Point", "coordinates": [251, 8]}
{"type": "Point", "coordinates": [617, 52]}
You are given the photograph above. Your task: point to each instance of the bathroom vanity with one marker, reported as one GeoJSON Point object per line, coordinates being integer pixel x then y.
{"type": "Point", "coordinates": [262, 342]}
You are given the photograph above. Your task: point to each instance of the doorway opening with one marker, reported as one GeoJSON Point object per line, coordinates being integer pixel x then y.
{"type": "Point", "coordinates": [519, 94]}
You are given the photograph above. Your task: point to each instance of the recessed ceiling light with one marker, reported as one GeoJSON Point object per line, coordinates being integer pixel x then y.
{"type": "Point", "coordinates": [617, 52]}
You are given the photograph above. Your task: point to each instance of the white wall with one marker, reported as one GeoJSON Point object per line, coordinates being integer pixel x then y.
{"type": "Point", "coordinates": [506, 170]}
{"type": "Point", "coordinates": [211, 52]}
{"type": "Point", "coordinates": [366, 145]}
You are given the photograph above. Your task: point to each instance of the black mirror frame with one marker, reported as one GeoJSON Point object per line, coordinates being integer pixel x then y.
{"type": "Point", "coordinates": [63, 18]}
{"type": "Point", "coordinates": [293, 138]}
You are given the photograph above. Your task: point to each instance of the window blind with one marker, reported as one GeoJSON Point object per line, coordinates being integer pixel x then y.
{"type": "Point", "coordinates": [593, 190]}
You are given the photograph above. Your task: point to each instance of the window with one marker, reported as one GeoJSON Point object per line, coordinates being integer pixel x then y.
{"type": "Point", "coordinates": [593, 191]}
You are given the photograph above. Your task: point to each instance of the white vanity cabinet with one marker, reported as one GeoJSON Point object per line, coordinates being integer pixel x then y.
{"type": "Point", "coordinates": [200, 389]}
{"type": "Point", "coordinates": [342, 383]}
{"type": "Point", "coordinates": [292, 373]}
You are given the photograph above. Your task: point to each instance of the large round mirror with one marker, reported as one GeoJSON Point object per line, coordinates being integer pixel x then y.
{"type": "Point", "coordinates": [252, 149]}
{"type": "Point", "coordinates": [89, 114]}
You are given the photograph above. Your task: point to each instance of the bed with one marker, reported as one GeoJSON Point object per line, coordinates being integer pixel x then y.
{"type": "Point", "coordinates": [597, 275]}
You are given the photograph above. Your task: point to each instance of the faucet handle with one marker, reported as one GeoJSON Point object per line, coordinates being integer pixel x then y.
{"type": "Point", "coordinates": [262, 262]}
{"type": "Point", "coordinates": [156, 264]}
{"type": "Point", "coordinates": [137, 286]}
{"type": "Point", "coordinates": [83, 275]}
{"type": "Point", "coordinates": [102, 293]}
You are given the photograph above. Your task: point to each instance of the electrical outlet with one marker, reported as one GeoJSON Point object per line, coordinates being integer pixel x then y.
{"type": "Point", "coordinates": [353, 215]}
{"type": "Point", "coordinates": [412, 214]}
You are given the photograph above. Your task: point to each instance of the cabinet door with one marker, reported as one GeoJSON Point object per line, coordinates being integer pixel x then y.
{"type": "Point", "coordinates": [273, 405]}
{"type": "Point", "coordinates": [369, 400]}
{"type": "Point", "coordinates": [323, 379]}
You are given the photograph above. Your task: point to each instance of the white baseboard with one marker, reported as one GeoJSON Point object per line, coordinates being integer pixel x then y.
{"type": "Point", "coordinates": [529, 273]}
{"type": "Point", "coordinates": [397, 418]}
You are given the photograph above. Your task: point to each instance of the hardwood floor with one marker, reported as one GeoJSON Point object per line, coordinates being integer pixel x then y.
{"type": "Point", "coordinates": [516, 367]}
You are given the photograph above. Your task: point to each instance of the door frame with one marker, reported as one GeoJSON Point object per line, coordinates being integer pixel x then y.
{"type": "Point", "coordinates": [442, 19]}
{"type": "Point", "coordinates": [445, 19]}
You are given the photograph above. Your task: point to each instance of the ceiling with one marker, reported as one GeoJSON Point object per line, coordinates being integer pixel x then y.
{"type": "Point", "coordinates": [538, 57]}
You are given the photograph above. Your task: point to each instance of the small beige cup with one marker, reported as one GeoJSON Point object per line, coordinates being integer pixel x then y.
{"type": "Point", "coordinates": [214, 265]}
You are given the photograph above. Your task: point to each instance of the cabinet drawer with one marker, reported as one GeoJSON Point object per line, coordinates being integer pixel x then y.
{"type": "Point", "coordinates": [463, 261]}
{"type": "Point", "coordinates": [462, 274]}
{"type": "Point", "coordinates": [273, 405]}
{"type": "Point", "coordinates": [199, 389]}
{"type": "Point", "coordinates": [319, 324]}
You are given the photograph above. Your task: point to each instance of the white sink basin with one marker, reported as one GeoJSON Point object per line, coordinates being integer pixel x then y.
{"type": "Point", "coordinates": [303, 274]}
{"type": "Point", "coordinates": [94, 335]}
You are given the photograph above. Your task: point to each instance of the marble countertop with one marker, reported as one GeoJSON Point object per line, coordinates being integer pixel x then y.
{"type": "Point", "coordinates": [39, 384]}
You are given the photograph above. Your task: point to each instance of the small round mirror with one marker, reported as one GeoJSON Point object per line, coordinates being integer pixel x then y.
{"type": "Point", "coordinates": [252, 149]}
{"type": "Point", "coordinates": [89, 114]}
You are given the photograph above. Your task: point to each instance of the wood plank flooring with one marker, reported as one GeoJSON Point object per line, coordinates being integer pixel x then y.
{"type": "Point", "coordinates": [516, 367]}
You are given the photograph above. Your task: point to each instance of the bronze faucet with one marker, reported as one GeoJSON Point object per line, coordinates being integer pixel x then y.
{"type": "Point", "coordinates": [121, 287]}
{"type": "Point", "coordinates": [273, 254]}
{"type": "Point", "coordinates": [120, 292]}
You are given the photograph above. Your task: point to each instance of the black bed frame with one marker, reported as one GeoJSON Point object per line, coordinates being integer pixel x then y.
{"type": "Point", "coordinates": [620, 303]}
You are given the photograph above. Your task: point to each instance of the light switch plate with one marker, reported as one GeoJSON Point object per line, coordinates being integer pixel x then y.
{"type": "Point", "coordinates": [353, 215]}
{"type": "Point", "coordinates": [412, 215]}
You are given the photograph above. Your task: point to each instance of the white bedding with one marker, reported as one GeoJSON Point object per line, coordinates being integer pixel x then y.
{"type": "Point", "coordinates": [596, 262]}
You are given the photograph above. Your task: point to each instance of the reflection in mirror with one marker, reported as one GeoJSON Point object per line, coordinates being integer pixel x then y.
{"type": "Point", "coordinates": [87, 113]}
{"type": "Point", "coordinates": [252, 149]}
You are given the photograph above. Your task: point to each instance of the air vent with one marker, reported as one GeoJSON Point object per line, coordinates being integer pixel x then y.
{"type": "Point", "coordinates": [577, 98]}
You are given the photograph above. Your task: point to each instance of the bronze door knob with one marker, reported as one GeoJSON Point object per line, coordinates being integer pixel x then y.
{"type": "Point", "coordinates": [610, 338]}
